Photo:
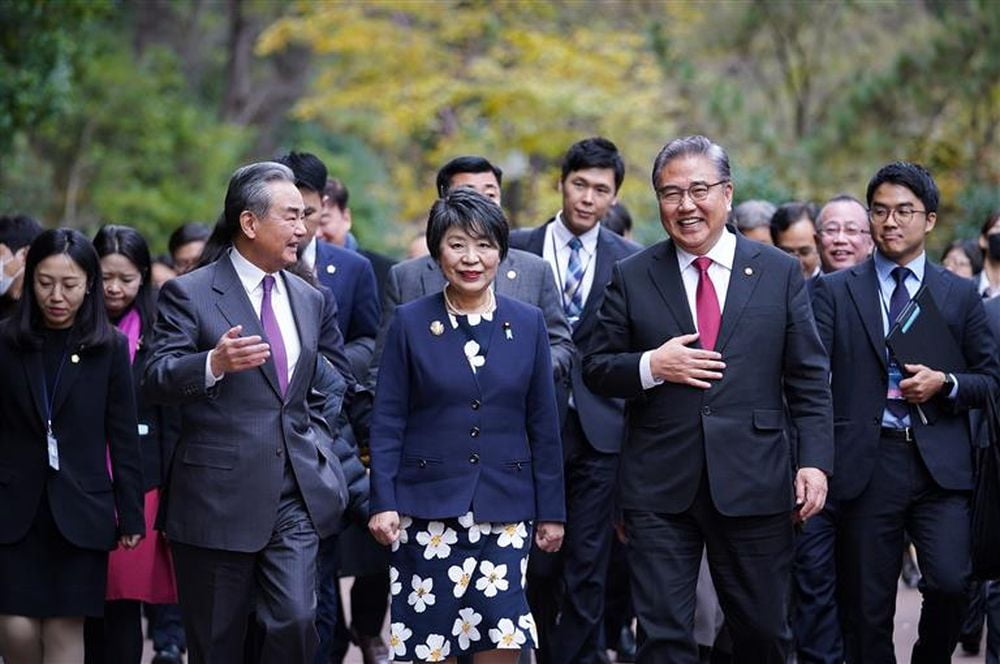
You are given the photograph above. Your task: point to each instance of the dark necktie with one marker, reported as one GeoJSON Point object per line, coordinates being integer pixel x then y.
{"type": "Point", "coordinates": [898, 301]}
{"type": "Point", "coordinates": [573, 288]}
{"type": "Point", "coordinates": [706, 304]}
{"type": "Point", "coordinates": [273, 334]}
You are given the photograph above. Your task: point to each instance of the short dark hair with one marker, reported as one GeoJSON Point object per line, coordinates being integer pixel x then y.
{"type": "Point", "coordinates": [248, 190]}
{"type": "Point", "coordinates": [18, 230]}
{"type": "Point", "coordinates": [465, 164]}
{"type": "Point", "coordinates": [990, 222]}
{"type": "Point", "coordinates": [752, 214]}
{"type": "Point", "coordinates": [971, 249]}
{"type": "Point", "coordinates": [595, 152]}
{"type": "Point", "coordinates": [337, 192]}
{"type": "Point", "coordinates": [193, 231]}
{"type": "Point", "coordinates": [473, 213]}
{"type": "Point", "coordinates": [914, 177]}
{"type": "Point", "coordinates": [128, 242]}
{"type": "Point", "coordinates": [790, 213]}
{"type": "Point", "coordinates": [617, 220]}
{"type": "Point", "coordinates": [691, 146]}
{"type": "Point", "coordinates": [310, 172]}
{"type": "Point", "coordinates": [91, 326]}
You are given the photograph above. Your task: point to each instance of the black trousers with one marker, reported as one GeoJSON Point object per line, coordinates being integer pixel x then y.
{"type": "Point", "coordinates": [115, 638]}
{"type": "Point", "coordinates": [816, 621]}
{"type": "Point", "coordinates": [903, 496]}
{"type": "Point", "coordinates": [570, 615]}
{"type": "Point", "coordinates": [218, 589]}
{"type": "Point", "coordinates": [750, 559]}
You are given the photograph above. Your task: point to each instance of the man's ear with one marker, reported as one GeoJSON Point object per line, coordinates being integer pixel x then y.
{"type": "Point", "coordinates": [248, 224]}
{"type": "Point", "coordinates": [347, 217]}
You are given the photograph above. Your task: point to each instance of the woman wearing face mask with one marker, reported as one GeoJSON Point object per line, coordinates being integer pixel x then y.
{"type": "Point", "coordinates": [67, 413]}
{"type": "Point", "coordinates": [16, 233]}
{"type": "Point", "coordinates": [989, 242]}
{"type": "Point", "coordinates": [144, 574]}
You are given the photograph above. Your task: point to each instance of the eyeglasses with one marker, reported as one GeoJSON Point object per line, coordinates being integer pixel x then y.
{"type": "Point", "coordinates": [903, 215]}
{"type": "Point", "coordinates": [850, 230]}
{"type": "Point", "coordinates": [697, 191]}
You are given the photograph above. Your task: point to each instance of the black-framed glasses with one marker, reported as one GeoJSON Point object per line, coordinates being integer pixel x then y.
{"type": "Point", "coordinates": [849, 230]}
{"type": "Point", "coordinates": [697, 192]}
{"type": "Point", "coordinates": [879, 214]}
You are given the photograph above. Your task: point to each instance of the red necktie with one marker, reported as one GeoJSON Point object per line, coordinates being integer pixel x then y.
{"type": "Point", "coordinates": [706, 303]}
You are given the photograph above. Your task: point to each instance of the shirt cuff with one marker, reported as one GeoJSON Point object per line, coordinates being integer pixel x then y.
{"type": "Point", "coordinates": [954, 386]}
{"type": "Point", "coordinates": [210, 379]}
{"type": "Point", "coordinates": [646, 372]}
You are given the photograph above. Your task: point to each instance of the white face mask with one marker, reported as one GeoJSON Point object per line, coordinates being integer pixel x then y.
{"type": "Point", "coordinates": [7, 281]}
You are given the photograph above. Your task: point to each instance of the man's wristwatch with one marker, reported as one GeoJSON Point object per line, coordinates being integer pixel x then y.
{"type": "Point", "coordinates": [949, 383]}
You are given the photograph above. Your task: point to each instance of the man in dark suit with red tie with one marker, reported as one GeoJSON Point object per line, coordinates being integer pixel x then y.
{"type": "Point", "coordinates": [580, 253]}
{"type": "Point", "coordinates": [901, 429]}
{"type": "Point", "coordinates": [710, 338]}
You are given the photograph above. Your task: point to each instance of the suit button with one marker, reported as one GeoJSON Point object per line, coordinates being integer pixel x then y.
{"type": "Point", "coordinates": [279, 451]}
{"type": "Point", "coordinates": [473, 458]}
{"type": "Point", "coordinates": [706, 410]}
{"type": "Point", "coordinates": [475, 404]}
{"type": "Point", "coordinates": [474, 432]}
{"type": "Point", "coordinates": [422, 463]}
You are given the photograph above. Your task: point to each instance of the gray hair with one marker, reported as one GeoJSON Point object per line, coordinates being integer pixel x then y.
{"type": "Point", "coordinates": [753, 214]}
{"type": "Point", "coordinates": [248, 190]}
{"type": "Point", "coordinates": [692, 145]}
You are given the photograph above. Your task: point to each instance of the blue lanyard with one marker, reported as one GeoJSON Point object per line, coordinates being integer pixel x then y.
{"type": "Point", "coordinates": [49, 400]}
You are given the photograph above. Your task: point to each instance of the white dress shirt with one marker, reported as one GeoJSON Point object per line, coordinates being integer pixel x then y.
{"type": "Point", "coordinates": [556, 252]}
{"type": "Point", "coordinates": [252, 277]}
{"type": "Point", "coordinates": [723, 255]}
{"type": "Point", "coordinates": [309, 256]}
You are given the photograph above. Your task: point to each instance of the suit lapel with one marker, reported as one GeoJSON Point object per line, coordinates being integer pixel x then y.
{"type": "Point", "coordinates": [453, 340]}
{"type": "Point", "coordinates": [34, 373]}
{"type": "Point", "coordinates": [235, 306]}
{"type": "Point", "coordinates": [536, 240]}
{"type": "Point", "coordinates": [431, 279]}
{"type": "Point", "coordinates": [666, 277]}
{"type": "Point", "coordinates": [302, 310]}
{"type": "Point", "coordinates": [503, 282]}
{"type": "Point", "coordinates": [70, 373]}
{"type": "Point", "coordinates": [864, 289]}
{"type": "Point", "coordinates": [742, 282]}
{"type": "Point", "coordinates": [939, 289]}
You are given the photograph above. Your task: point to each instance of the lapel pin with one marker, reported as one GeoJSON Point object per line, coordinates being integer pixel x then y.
{"type": "Point", "coordinates": [330, 269]}
{"type": "Point", "coordinates": [748, 271]}
{"type": "Point", "coordinates": [437, 328]}
{"type": "Point", "coordinates": [507, 331]}
{"type": "Point", "coordinates": [74, 358]}
{"type": "Point", "coordinates": [511, 274]}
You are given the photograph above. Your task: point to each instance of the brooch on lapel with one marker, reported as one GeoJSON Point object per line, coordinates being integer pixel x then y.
{"type": "Point", "coordinates": [507, 331]}
{"type": "Point", "coordinates": [330, 269]}
{"type": "Point", "coordinates": [74, 358]}
{"type": "Point", "coordinates": [437, 328]}
{"type": "Point", "coordinates": [511, 274]}
{"type": "Point", "coordinates": [748, 271]}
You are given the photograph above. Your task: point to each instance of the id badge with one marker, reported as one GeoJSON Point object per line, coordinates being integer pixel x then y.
{"type": "Point", "coordinates": [53, 446]}
{"type": "Point", "coordinates": [895, 377]}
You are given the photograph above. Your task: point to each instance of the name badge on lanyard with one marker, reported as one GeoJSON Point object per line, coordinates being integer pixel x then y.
{"type": "Point", "coordinates": [51, 443]}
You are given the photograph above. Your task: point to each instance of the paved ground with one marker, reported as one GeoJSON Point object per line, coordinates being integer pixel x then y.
{"type": "Point", "coordinates": [907, 614]}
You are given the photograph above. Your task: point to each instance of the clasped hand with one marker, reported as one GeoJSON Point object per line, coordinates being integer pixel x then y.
{"type": "Point", "coordinates": [675, 362]}
{"type": "Point", "coordinates": [922, 385]}
{"type": "Point", "coordinates": [234, 353]}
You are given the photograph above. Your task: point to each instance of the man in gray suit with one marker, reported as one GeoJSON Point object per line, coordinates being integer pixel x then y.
{"type": "Point", "coordinates": [251, 486]}
{"type": "Point", "coordinates": [521, 275]}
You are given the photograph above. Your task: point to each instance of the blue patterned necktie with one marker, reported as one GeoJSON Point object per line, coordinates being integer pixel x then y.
{"type": "Point", "coordinates": [898, 301]}
{"type": "Point", "coordinates": [572, 291]}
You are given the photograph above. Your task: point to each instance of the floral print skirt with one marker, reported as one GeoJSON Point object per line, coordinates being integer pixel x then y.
{"type": "Point", "coordinates": [458, 587]}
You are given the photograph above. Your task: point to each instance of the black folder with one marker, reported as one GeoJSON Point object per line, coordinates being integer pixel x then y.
{"type": "Point", "coordinates": [921, 336]}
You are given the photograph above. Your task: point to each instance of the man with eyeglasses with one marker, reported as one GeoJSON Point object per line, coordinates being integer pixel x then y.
{"type": "Point", "coordinates": [842, 229]}
{"type": "Point", "coordinates": [710, 338]}
{"type": "Point", "coordinates": [793, 229]}
{"type": "Point", "coordinates": [901, 431]}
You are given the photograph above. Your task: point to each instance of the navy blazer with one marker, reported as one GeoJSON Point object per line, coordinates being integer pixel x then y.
{"type": "Point", "coordinates": [602, 418]}
{"type": "Point", "coordinates": [734, 432]}
{"type": "Point", "coordinates": [93, 414]}
{"type": "Point", "coordinates": [351, 278]}
{"type": "Point", "coordinates": [446, 440]}
{"type": "Point", "coordinates": [849, 320]}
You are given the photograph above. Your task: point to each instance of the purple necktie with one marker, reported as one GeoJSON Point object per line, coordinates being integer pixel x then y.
{"type": "Point", "coordinates": [273, 335]}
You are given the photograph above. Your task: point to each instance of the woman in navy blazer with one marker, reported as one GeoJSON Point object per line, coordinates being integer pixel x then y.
{"type": "Point", "coordinates": [466, 455]}
{"type": "Point", "coordinates": [67, 427]}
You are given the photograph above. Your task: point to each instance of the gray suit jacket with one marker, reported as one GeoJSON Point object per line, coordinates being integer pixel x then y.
{"type": "Point", "coordinates": [226, 474]}
{"type": "Point", "coordinates": [521, 275]}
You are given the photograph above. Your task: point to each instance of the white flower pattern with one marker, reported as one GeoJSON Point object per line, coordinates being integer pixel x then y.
{"type": "Point", "coordinates": [462, 576]}
{"type": "Point", "coordinates": [506, 636]}
{"type": "Point", "coordinates": [404, 535]}
{"type": "Point", "coordinates": [436, 649]}
{"type": "Point", "coordinates": [437, 540]}
{"type": "Point", "coordinates": [398, 634]}
{"type": "Point", "coordinates": [394, 584]}
{"type": "Point", "coordinates": [473, 529]}
{"type": "Point", "coordinates": [465, 627]}
{"type": "Point", "coordinates": [421, 597]}
{"type": "Point", "coordinates": [493, 579]}
{"type": "Point", "coordinates": [527, 622]}
{"type": "Point", "coordinates": [511, 534]}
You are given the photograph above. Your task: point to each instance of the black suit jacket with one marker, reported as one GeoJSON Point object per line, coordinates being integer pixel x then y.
{"type": "Point", "coordinates": [849, 320]}
{"type": "Point", "coordinates": [736, 430]}
{"type": "Point", "coordinates": [93, 414]}
{"type": "Point", "coordinates": [602, 418]}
